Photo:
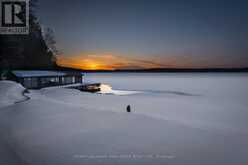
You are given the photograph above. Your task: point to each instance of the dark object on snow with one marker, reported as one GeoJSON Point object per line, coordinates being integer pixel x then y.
{"type": "Point", "coordinates": [128, 108]}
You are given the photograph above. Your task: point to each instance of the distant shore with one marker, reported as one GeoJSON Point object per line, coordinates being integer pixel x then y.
{"type": "Point", "coordinates": [221, 70]}
{"type": "Point", "coordinates": [173, 70]}
{"type": "Point", "coordinates": [151, 70]}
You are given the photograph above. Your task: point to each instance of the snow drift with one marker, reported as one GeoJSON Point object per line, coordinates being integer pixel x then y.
{"type": "Point", "coordinates": [10, 93]}
{"type": "Point", "coordinates": [189, 119]}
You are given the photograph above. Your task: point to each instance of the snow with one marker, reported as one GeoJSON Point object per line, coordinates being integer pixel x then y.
{"type": "Point", "coordinates": [176, 119]}
{"type": "Point", "coordinates": [36, 73]}
{"type": "Point", "coordinates": [10, 93]}
{"type": "Point", "coordinates": [39, 73]}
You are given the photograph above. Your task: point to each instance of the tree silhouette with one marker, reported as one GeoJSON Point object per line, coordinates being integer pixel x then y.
{"type": "Point", "coordinates": [27, 51]}
{"type": "Point", "coordinates": [49, 38]}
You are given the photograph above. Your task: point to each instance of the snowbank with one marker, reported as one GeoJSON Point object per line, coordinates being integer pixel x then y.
{"type": "Point", "coordinates": [177, 119]}
{"type": "Point", "coordinates": [10, 93]}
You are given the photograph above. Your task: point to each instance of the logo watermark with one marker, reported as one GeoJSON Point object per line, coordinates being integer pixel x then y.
{"type": "Point", "coordinates": [14, 16]}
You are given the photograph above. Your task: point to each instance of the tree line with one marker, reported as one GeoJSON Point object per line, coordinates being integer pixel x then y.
{"type": "Point", "coordinates": [36, 50]}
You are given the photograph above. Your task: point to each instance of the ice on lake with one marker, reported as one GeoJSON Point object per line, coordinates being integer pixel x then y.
{"type": "Point", "coordinates": [198, 118]}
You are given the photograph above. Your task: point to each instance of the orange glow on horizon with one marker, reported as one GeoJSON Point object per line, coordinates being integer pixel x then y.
{"type": "Point", "coordinates": [109, 61]}
{"type": "Point", "coordinates": [105, 62]}
{"type": "Point", "coordinates": [84, 62]}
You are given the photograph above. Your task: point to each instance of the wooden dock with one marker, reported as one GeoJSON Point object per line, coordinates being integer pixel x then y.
{"type": "Point", "coordinates": [95, 87]}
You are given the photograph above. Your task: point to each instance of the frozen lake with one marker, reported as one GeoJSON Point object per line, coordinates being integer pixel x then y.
{"type": "Point", "coordinates": [197, 118]}
{"type": "Point", "coordinates": [200, 99]}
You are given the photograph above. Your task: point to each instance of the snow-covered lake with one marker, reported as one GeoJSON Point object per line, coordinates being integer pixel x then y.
{"type": "Point", "coordinates": [190, 118]}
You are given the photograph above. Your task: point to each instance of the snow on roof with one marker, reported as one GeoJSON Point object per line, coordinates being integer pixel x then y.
{"type": "Point", "coordinates": [38, 73]}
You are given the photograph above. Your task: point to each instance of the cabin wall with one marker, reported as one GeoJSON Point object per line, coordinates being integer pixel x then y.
{"type": "Point", "coordinates": [29, 82]}
{"type": "Point", "coordinates": [41, 82]}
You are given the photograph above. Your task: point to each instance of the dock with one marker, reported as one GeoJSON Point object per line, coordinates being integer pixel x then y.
{"type": "Point", "coordinates": [93, 88]}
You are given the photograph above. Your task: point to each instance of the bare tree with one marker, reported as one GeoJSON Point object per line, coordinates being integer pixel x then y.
{"type": "Point", "coordinates": [49, 38]}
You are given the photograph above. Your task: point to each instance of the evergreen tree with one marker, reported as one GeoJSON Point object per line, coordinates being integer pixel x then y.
{"type": "Point", "coordinates": [26, 51]}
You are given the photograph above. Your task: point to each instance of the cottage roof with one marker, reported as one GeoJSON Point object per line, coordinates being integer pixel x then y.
{"type": "Point", "coordinates": [42, 73]}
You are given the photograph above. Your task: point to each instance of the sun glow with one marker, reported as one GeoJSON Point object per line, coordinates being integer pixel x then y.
{"type": "Point", "coordinates": [92, 66]}
{"type": "Point", "coordinates": [105, 61]}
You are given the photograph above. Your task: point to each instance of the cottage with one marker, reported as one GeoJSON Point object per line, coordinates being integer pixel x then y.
{"type": "Point", "coordinates": [37, 79]}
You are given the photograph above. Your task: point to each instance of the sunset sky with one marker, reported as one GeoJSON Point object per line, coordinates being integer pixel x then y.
{"type": "Point", "coordinates": [136, 34]}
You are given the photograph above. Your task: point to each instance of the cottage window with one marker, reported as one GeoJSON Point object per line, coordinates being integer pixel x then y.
{"type": "Point", "coordinates": [68, 80]}
{"type": "Point", "coordinates": [27, 82]}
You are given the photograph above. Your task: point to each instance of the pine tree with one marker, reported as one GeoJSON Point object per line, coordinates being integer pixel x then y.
{"type": "Point", "coordinates": [26, 51]}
